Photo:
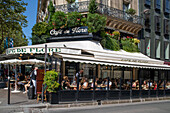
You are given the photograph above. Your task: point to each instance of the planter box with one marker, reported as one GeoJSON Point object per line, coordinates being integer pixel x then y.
{"type": "Point", "coordinates": [54, 98]}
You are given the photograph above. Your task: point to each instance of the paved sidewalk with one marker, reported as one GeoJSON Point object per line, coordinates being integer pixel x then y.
{"type": "Point", "coordinates": [16, 98]}
{"type": "Point", "coordinates": [20, 100]}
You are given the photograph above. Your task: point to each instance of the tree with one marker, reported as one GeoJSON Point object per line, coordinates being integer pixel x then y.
{"type": "Point", "coordinates": [39, 28]}
{"type": "Point", "coordinates": [12, 19]}
{"type": "Point", "coordinates": [92, 6]}
{"type": "Point", "coordinates": [59, 20]}
{"type": "Point", "coordinates": [51, 10]}
{"type": "Point", "coordinates": [39, 33]}
{"type": "Point", "coordinates": [95, 22]}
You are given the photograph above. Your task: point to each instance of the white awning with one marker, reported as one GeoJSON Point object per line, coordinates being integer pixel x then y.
{"type": "Point", "coordinates": [92, 60]}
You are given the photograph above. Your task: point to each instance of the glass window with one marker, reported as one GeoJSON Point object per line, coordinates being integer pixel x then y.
{"type": "Point", "coordinates": [158, 46]}
{"type": "Point", "coordinates": [126, 6]}
{"type": "Point", "coordinates": [148, 2]}
{"type": "Point", "coordinates": [148, 47]}
{"type": "Point", "coordinates": [167, 50]}
{"type": "Point", "coordinates": [157, 4]}
{"type": "Point", "coordinates": [167, 6]}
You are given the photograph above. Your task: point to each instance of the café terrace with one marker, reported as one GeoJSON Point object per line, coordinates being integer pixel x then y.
{"type": "Point", "coordinates": [109, 74]}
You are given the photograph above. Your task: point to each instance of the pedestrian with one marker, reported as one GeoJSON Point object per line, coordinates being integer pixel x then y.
{"type": "Point", "coordinates": [33, 78]}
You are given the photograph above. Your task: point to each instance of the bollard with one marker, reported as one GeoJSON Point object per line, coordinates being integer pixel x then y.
{"type": "Point", "coordinates": [8, 89]}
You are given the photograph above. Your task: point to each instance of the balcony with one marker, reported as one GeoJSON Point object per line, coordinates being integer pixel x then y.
{"type": "Point", "coordinates": [116, 19]}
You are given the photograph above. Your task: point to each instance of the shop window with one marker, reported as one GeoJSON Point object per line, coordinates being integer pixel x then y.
{"type": "Point", "coordinates": [158, 4]}
{"type": "Point", "coordinates": [148, 2]}
{"type": "Point", "coordinates": [166, 6]}
{"type": "Point", "coordinates": [157, 24]}
{"type": "Point", "coordinates": [167, 50]}
{"type": "Point", "coordinates": [158, 46]}
{"type": "Point", "coordinates": [166, 26]}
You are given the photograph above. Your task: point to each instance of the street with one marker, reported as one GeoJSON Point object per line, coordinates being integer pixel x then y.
{"type": "Point", "coordinates": [146, 107]}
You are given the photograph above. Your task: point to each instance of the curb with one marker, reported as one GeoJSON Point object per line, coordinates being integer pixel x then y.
{"type": "Point", "coordinates": [93, 103]}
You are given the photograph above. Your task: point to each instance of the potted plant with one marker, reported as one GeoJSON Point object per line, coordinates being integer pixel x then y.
{"type": "Point", "coordinates": [51, 80]}
{"type": "Point", "coordinates": [131, 12]}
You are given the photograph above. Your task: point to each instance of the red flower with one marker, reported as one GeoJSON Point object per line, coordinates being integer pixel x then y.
{"type": "Point", "coordinates": [78, 19]}
{"type": "Point", "coordinates": [128, 37]}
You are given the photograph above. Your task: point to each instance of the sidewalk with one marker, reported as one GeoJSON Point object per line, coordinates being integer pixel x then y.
{"type": "Point", "coordinates": [20, 100]}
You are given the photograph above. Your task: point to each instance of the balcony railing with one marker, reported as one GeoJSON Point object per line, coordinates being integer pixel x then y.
{"type": "Point", "coordinates": [102, 9]}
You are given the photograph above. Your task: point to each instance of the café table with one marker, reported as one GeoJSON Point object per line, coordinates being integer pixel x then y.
{"type": "Point", "coordinates": [73, 87]}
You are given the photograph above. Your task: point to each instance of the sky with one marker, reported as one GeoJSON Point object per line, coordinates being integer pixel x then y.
{"type": "Point", "coordinates": [31, 12]}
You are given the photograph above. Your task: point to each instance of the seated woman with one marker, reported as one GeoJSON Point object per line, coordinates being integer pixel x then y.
{"type": "Point", "coordinates": [144, 85]}
{"type": "Point", "coordinates": [85, 84]}
{"type": "Point", "coordinates": [26, 87]}
{"type": "Point", "coordinates": [65, 83]}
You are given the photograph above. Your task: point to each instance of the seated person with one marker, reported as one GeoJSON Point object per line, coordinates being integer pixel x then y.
{"type": "Point", "coordinates": [106, 82]}
{"type": "Point", "coordinates": [74, 84]}
{"type": "Point", "coordinates": [85, 84]}
{"type": "Point", "coordinates": [26, 87]}
{"type": "Point", "coordinates": [114, 84]}
{"type": "Point", "coordinates": [93, 85]}
{"type": "Point", "coordinates": [144, 85]}
{"type": "Point", "coordinates": [65, 83]}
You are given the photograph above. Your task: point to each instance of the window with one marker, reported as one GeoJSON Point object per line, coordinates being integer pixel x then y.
{"type": "Point", "coordinates": [148, 47]}
{"type": "Point", "coordinates": [157, 4]}
{"type": "Point", "coordinates": [158, 47]}
{"type": "Point", "coordinates": [147, 21]}
{"type": "Point", "coordinates": [157, 24]}
{"type": "Point", "coordinates": [166, 25]}
{"type": "Point", "coordinates": [148, 2]}
{"type": "Point", "coordinates": [126, 6]}
{"type": "Point", "coordinates": [167, 6]}
{"type": "Point", "coordinates": [167, 50]}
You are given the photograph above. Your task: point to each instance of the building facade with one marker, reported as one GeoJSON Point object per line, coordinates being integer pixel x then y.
{"type": "Point", "coordinates": [114, 10]}
{"type": "Point", "coordinates": [155, 35]}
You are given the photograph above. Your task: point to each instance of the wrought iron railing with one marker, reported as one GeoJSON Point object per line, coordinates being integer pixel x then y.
{"type": "Point", "coordinates": [103, 9]}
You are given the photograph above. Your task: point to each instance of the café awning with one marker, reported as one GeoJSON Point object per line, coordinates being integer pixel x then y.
{"type": "Point", "coordinates": [112, 61]}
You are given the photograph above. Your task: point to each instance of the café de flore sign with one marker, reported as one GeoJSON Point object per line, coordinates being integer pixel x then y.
{"type": "Point", "coordinates": [83, 30]}
{"type": "Point", "coordinates": [34, 50]}
{"type": "Point", "coordinates": [40, 50]}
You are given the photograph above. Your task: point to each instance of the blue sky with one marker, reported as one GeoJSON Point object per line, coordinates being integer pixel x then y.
{"type": "Point", "coordinates": [31, 13]}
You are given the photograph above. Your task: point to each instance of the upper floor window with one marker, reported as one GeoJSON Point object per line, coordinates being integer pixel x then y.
{"type": "Point", "coordinates": [158, 47]}
{"type": "Point", "coordinates": [167, 6]}
{"type": "Point", "coordinates": [148, 2]}
{"type": "Point", "coordinates": [166, 26]}
{"type": "Point", "coordinates": [157, 24]}
{"type": "Point", "coordinates": [157, 4]}
{"type": "Point", "coordinates": [126, 6]}
{"type": "Point", "coordinates": [166, 50]}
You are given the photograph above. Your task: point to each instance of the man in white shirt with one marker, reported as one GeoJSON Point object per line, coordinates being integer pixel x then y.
{"type": "Point", "coordinates": [34, 76]}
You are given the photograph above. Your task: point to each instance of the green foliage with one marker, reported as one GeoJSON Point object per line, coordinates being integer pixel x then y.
{"type": "Point", "coordinates": [92, 6]}
{"type": "Point", "coordinates": [12, 19]}
{"type": "Point", "coordinates": [95, 22]}
{"type": "Point", "coordinates": [39, 28]}
{"type": "Point", "coordinates": [70, 1]}
{"type": "Point", "coordinates": [131, 11]}
{"type": "Point", "coordinates": [74, 19]}
{"type": "Point", "coordinates": [50, 79]}
{"type": "Point", "coordinates": [59, 20]}
{"type": "Point", "coordinates": [116, 35]}
{"type": "Point", "coordinates": [39, 39]}
{"type": "Point", "coordinates": [109, 43]}
{"type": "Point", "coordinates": [51, 9]}
{"type": "Point", "coordinates": [129, 46]}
